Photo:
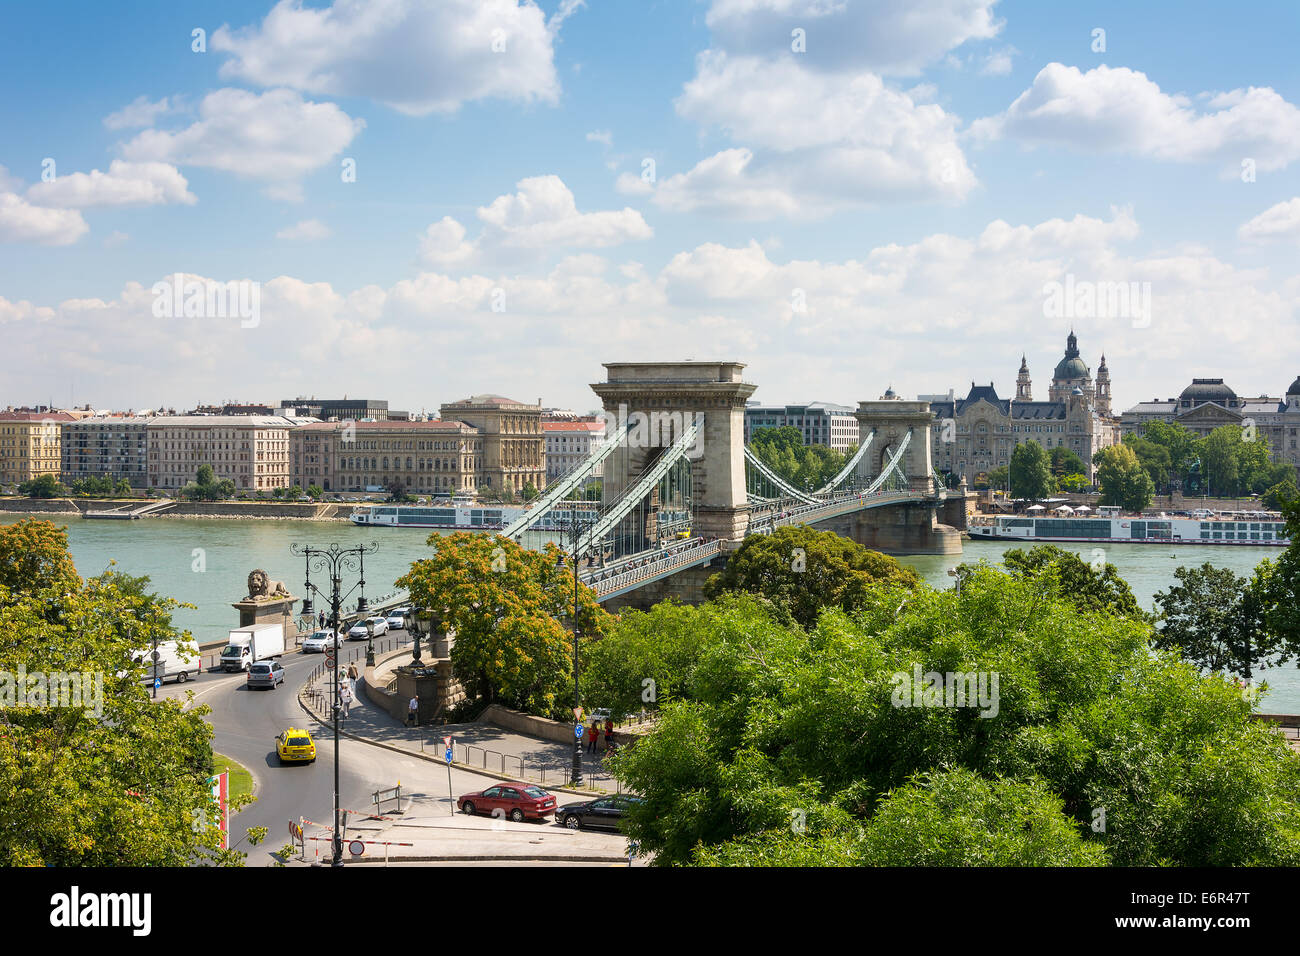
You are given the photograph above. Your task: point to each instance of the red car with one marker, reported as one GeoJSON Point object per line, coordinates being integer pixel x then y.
{"type": "Point", "coordinates": [518, 801]}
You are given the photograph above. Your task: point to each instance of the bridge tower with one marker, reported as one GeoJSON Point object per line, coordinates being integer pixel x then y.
{"type": "Point", "coordinates": [890, 420]}
{"type": "Point", "coordinates": [658, 399]}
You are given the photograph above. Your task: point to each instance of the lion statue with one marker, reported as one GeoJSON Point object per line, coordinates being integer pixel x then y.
{"type": "Point", "coordinates": [261, 586]}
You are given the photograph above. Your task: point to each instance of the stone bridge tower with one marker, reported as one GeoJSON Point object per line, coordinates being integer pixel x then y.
{"type": "Point", "coordinates": [667, 396]}
{"type": "Point", "coordinates": [890, 421]}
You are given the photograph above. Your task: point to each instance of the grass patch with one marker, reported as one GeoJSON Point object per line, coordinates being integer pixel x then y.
{"type": "Point", "coordinates": [241, 781]}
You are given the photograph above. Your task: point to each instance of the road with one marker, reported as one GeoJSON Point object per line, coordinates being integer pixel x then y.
{"type": "Point", "coordinates": [245, 724]}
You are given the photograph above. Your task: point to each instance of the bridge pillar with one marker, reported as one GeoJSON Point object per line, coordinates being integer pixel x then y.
{"type": "Point", "coordinates": [891, 420]}
{"type": "Point", "coordinates": [665, 397]}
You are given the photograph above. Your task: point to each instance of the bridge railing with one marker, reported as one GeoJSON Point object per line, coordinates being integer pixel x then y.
{"type": "Point", "coordinates": [648, 567]}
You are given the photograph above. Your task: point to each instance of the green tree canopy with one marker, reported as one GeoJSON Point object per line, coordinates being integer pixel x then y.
{"type": "Point", "coordinates": [1031, 471]}
{"type": "Point", "coordinates": [795, 747]}
{"type": "Point", "coordinates": [1091, 586]}
{"type": "Point", "coordinates": [807, 467]}
{"type": "Point", "coordinates": [1216, 620]}
{"type": "Point", "coordinates": [1123, 480]}
{"type": "Point", "coordinates": [42, 486]}
{"type": "Point", "coordinates": [803, 571]}
{"type": "Point", "coordinates": [507, 606]}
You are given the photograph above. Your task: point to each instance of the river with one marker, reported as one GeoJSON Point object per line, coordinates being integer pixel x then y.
{"type": "Point", "coordinates": [206, 563]}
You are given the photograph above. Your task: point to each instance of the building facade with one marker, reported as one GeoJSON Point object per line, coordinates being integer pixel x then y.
{"type": "Point", "coordinates": [340, 409]}
{"type": "Point", "coordinates": [820, 423]}
{"type": "Point", "coordinates": [977, 434]}
{"type": "Point", "coordinates": [1209, 403]}
{"type": "Point", "coordinates": [513, 443]}
{"type": "Point", "coordinates": [570, 441]}
{"type": "Point", "coordinates": [252, 451]}
{"type": "Point", "coordinates": [30, 445]}
{"type": "Point", "coordinates": [417, 458]}
{"type": "Point", "coordinates": [108, 447]}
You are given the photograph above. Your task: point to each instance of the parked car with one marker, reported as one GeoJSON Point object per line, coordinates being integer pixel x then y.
{"type": "Point", "coordinates": [320, 641]}
{"type": "Point", "coordinates": [607, 813]}
{"type": "Point", "coordinates": [518, 801]}
{"type": "Point", "coordinates": [397, 618]}
{"type": "Point", "coordinates": [265, 674]}
{"type": "Point", "coordinates": [358, 631]}
{"type": "Point", "coordinates": [295, 746]}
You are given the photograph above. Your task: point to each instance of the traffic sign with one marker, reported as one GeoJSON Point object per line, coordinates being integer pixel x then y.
{"type": "Point", "coordinates": [157, 682]}
{"type": "Point", "coordinates": [447, 741]}
{"type": "Point", "coordinates": [356, 848]}
{"type": "Point", "coordinates": [329, 658]}
{"type": "Point", "coordinates": [449, 756]}
{"type": "Point", "coordinates": [578, 731]}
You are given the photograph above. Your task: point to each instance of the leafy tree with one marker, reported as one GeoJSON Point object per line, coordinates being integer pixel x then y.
{"type": "Point", "coordinates": [1216, 620]}
{"type": "Point", "coordinates": [786, 742]}
{"type": "Point", "coordinates": [42, 486]}
{"type": "Point", "coordinates": [807, 467]}
{"type": "Point", "coordinates": [315, 491]}
{"type": "Point", "coordinates": [802, 571]}
{"type": "Point", "coordinates": [1282, 492]}
{"type": "Point", "coordinates": [114, 779]}
{"type": "Point", "coordinates": [122, 488]}
{"type": "Point", "coordinates": [1089, 587]}
{"type": "Point", "coordinates": [206, 486]}
{"type": "Point", "coordinates": [1031, 472]}
{"type": "Point", "coordinates": [1180, 443]}
{"type": "Point", "coordinates": [1065, 462]}
{"type": "Point", "coordinates": [1074, 483]}
{"type": "Point", "coordinates": [1219, 453]}
{"type": "Point", "coordinates": [1279, 588]}
{"type": "Point", "coordinates": [507, 606]}
{"type": "Point", "coordinates": [1123, 480]}
{"type": "Point", "coordinates": [999, 478]}
{"type": "Point", "coordinates": [1153, 457]}
{"type": "Point", "coordinates": [529, 492]}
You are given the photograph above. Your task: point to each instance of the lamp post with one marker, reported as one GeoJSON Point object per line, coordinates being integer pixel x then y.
{"type": "Point", "coordinates": [573, 531]}
{"type": "Point", "coordinates": [334, 561]}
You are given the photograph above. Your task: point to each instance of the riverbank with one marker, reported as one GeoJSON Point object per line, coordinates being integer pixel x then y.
{"type": "Point", "coordinates": [241, 510]}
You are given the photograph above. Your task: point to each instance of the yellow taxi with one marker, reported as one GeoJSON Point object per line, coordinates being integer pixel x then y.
{"type": "Point", "coordinates": [295, 746]}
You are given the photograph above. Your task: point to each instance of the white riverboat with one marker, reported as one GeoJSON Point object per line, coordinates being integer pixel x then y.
{"type": "Point", "coordinates": [1253, 529]}
{"type": "Point", "coordinates": [461, 517]}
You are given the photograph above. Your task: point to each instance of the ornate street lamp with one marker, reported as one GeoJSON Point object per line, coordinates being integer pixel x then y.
{"type": "Point", "coordinates": [370, 642]}
{"type": "Point", "coordinates": [414, 625]}
{"type": "Point", "coordinates": [335, 560]}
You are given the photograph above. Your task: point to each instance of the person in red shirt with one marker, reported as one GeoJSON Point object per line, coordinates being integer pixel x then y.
{"type": "Point", "coordinates": [591, 738]}
{"type": "Point", "coordinates": [609, 734]}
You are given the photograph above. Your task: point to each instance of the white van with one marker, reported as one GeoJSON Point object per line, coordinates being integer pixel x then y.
{"type": "Point", "coordinates": [170, 665]}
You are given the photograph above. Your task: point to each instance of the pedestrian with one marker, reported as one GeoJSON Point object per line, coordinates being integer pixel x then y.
{"type": "Point", "coordinates": [322, 620]}
{"type": "Point", "coordinates": [353, 674]}
{"type": "Point", "coordinates": [413, 712]}
{"type": "Point", "coordinates": [609, 733]}
{"type": "Point", "coordinates": [345, 698]}
{"type": "Point", "coordinates": [592, 733]}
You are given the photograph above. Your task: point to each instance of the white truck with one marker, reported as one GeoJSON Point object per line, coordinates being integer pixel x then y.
{"type": "Point", "coordinates": [170, 665]}
{"type": "Point", "coordinates": [248, 645]}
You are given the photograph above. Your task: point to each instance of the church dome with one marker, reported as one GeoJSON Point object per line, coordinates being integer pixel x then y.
{"type": "Point", "coordinates": [1071, 368]}
{"type": "Point", "coordinates": [1203, 390]}
{"type": "Point", "coordinates": [1295, 387]}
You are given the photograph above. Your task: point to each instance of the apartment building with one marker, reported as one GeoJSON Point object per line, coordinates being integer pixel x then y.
{"type": "Point", "coordinates": [419, 458]}
{"type": "Point", "coordinates": [110, 446]}
{"type": "Point", "coordinates": [30, 445]}
{"type": "Point", "coordinates": [513, 444]}
{"type": "Point", "coordinates": [569, 441]}
{"type": "Point", "coordinates": [252, 451]}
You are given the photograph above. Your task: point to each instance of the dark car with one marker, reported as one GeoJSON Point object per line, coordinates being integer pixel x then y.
{"type": "Point", "coordinates": [518, 801]}
{"type": "Point", "coordinates": [607, 813]}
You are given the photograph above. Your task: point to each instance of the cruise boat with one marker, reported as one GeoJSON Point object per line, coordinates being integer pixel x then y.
{"type": "Point", "coordinates": [1250, 530]}
{"type": "Point", "coordinates": [460, 517]}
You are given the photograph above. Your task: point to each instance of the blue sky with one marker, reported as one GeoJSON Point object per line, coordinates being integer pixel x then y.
{"type": "Point", "coordinates": [832, 216]}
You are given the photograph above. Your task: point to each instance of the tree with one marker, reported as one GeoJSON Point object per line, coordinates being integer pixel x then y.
{"type": "Point", "coordinates": [1219, 455]}
{"type": "Point", "coordinates": [1282, 492]}
{"type": "Point", "coordinates": [1088, 587]}
{"type": "Point", "coordinates": [999, 478]}
{"type": "Point", "coordinates": [529, 492]}
{"type": "Point", "coordinates": [111, 778]}
{"type": "Point", "coordinates": [1153, 457]}
{"type": "Point", "coordinates": [802, 571]}
{"type": "Point", "coordinates": [794, 746]}
{"type": "Point", "coordinates": [1216, 620]}
{"type": "Point", "coordinates": [1065, 462]}
{"type": "Point", "coordinates": [206, 487]}
{"type": "Point", "coordinates": [507, 606]}
{"type": "Point", "coordinates": [1123, 480]}
{"type": "Point", "coordinates": [1031, 473]}
{"type": "Point", "coordinates": [807, 467]}
{"type": "Point", "coordinates": [42, 486]}
{"type": "Point", "coordinates": [1180, 443]}
{"type": "Point", "coordinates": [123, 488]}
{"type": "Point", "coordinates": [315, 491]}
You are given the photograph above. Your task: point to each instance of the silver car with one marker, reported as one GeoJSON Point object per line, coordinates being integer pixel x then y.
{"type": "Point", "coordinates": [265, 674]}
{"type": "Point", "coordinates": [319, 642]}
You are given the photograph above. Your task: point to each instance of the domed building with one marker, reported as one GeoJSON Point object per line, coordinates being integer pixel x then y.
{"type": "Point", "coordinates": [975, 435]}
{"type": "Point", "coordinates": [1210, 403]}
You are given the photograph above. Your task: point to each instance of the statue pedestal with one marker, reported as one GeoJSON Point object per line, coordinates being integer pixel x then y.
{"type": "Point", "coordinates": [271, 610]}
{"type": "Point", "coordinates": [421, 682]}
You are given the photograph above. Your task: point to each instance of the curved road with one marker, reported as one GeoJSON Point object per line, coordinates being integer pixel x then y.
{"type": "Point", "coordinates": [246, 723]}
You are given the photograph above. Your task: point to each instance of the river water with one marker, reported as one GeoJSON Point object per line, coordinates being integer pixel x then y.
{"type": "Point", "coordinates": [206, 563]}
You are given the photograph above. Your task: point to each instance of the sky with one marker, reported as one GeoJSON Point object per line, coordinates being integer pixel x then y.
{"type": "Point", "coordinates": [418, 200]}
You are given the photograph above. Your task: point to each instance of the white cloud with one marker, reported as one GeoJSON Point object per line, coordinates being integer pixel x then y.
{"type": "Point", "coordinates": [8, 182]}
{"type": "Point", "coordinates": [543, 213]}
{"type": "Point", "coordinates": [896, 37]}
{"type": "Point", "coordinates": [306, 229]}
{"type": "Point", "coordinates": [631, 184]}
{"type": "Point", "coordinates": [1121, 110]}
{"type": "Point", "coordinates": [125, 184]}
{"type": "Point", "coordinates": [417, 56]}
{"type": "Point", "coordinates": [277, 137]}
{"type": "Point", "coordinates": [115, 239]}
{"type": "Point", "coordinates": [1277, 222]}
{"type": "Point", "coordinates": [20, 221]}
{"type": "Point", "coordinates": [22, 311]}
{"type": "Point", "coordinates": [926, 315]}
{"type": "Point", "coordinates": [813, 142]}
{"type": "Point", "coordinates": [141, 111]}
{"type": "Point", "coordinates": [601, 136]}
{"type": "Point", "coordinates": [443, 245]}
{"type": "Point", "coordinates": [997, 64]}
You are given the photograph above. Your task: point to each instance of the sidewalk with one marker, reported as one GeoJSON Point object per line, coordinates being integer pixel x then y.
{"type": "Point", "coordinates": [478, 747]}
